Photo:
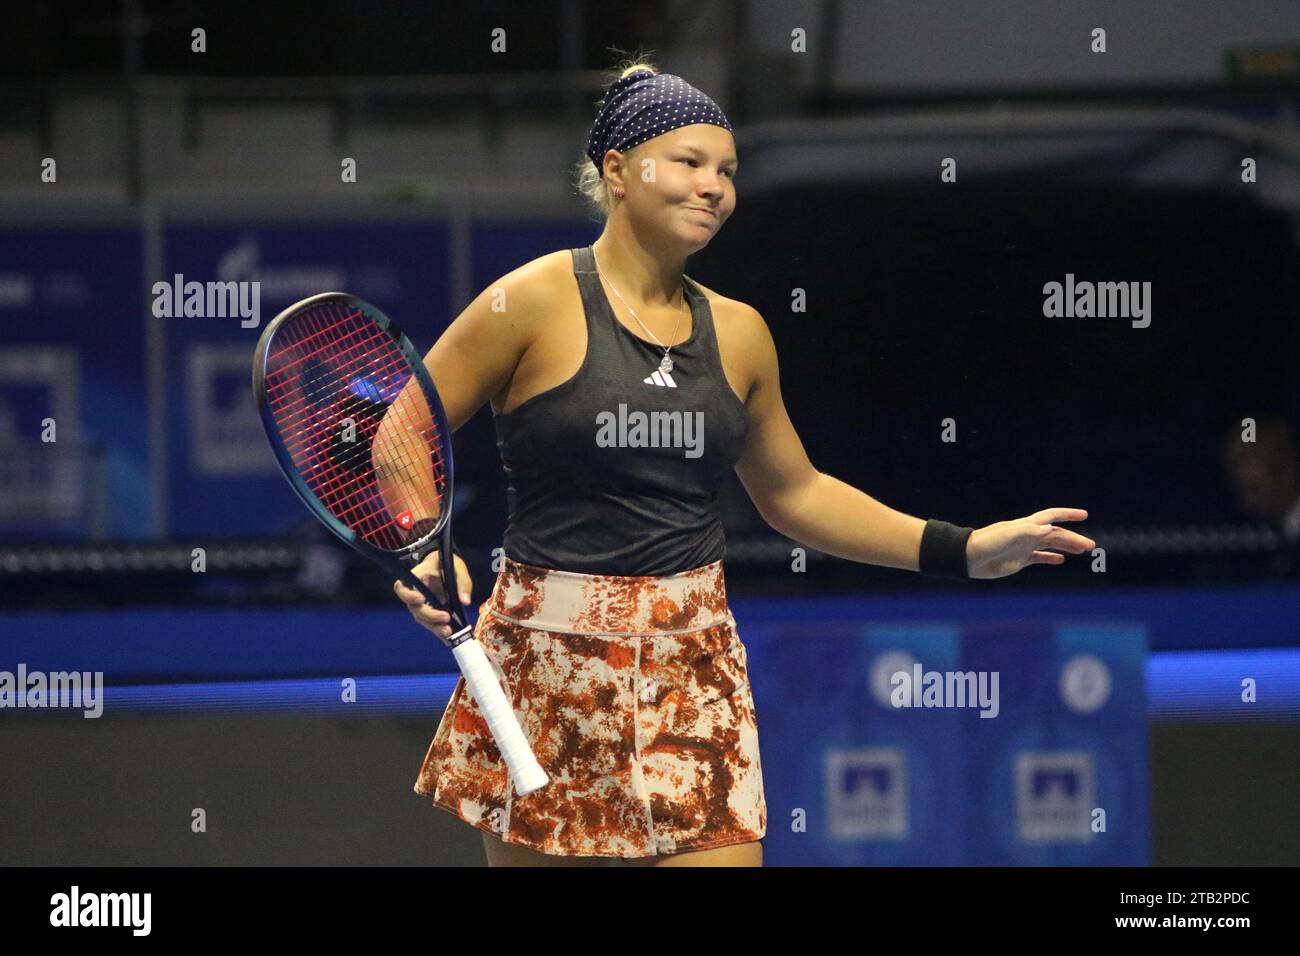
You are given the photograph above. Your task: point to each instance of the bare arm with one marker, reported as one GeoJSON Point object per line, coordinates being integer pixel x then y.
{"type": "Point", "coordinates": [476, 356]}
{"type": "Point", "coordinates": [472, 360]}
{"type": "Point", "coordinates": [841, 520]}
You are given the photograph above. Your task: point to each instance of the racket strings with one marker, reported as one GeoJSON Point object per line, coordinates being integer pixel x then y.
{"type": "Point", "coordinates": [306, 446]}
{"type": "Point", "coordinates": [392, 377]}
{"type": "Point", "coordinates": [342, 367]}
{"type": "Point", "coordinates": [301, 447]}
{"type": "Point", "coordinates": [330, 471]}
{"type": "Point", "coordinates": [349, 503]}
{"type": "Point", "coordinates": [330, 364]}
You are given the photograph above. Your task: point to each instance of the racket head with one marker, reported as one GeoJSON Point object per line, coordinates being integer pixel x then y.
{"type": "Point", "coordinates": [333, 359]}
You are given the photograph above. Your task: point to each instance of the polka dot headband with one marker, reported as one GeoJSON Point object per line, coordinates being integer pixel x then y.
{"type": "Point", "coordinates": [642, 105]}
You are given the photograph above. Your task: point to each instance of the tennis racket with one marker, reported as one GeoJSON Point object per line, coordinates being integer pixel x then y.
{"type": "Point", "coordinates": [360, 433]}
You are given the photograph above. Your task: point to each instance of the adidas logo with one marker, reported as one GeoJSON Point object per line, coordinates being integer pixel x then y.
{"type": "Point", "coordinates": [658, 377]}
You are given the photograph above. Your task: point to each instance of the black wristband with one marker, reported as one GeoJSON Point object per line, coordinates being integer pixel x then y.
{"type": "Point", "coordinates": [943, 550]}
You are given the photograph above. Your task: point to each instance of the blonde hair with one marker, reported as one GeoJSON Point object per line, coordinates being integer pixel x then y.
{"type": "Point", "coordinates": [587, 179]}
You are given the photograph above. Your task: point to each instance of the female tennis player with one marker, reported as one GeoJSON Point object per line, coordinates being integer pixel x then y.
{"type": "Point", "coordinates": [608, 620]}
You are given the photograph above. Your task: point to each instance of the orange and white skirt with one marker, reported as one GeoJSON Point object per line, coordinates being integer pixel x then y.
{"type": "Point", "coordinates": [633, 692]}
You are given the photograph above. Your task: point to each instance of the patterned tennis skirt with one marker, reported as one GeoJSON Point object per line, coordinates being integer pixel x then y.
{"type": "Point", "coordinates": [634, 695]}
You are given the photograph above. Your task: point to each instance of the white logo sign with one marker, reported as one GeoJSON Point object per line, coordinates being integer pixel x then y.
{"type": "Point", "coordinates": [1055, 794]}
{"type": "Point", "coordinates": [866, 794]}
{"type": "Point", "coordinates": [1085, 683]}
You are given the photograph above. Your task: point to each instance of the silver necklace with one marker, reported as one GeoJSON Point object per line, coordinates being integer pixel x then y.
{"type": "Point", "coordinates": [666, 364]}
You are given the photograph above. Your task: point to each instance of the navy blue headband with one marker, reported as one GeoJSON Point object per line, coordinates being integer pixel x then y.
{"type": "Point", "coordinates": [642, 105]}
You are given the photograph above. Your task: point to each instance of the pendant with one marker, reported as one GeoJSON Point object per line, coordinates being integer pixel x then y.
{"type": "Point", "coordinates": [666, 365]}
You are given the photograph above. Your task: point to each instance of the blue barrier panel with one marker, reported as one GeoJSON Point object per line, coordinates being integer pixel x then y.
{"type": "Point", "coordinates": [1056, 774]}
{"type": "Point", "coordinates": [1261, 684]}
{"type": "Point", "coordinates": [166, 643]}
{"type": "Point", "coordinates": [1240, 615]}
{"type": "Point", "coordinates": [848, 781]}
{"type": "Point", "coordinates": [1168, 676]}
{"type": "Point", "coordinates": [174, 644]}
{"type": "Point", "coordinates": [1015, 743]}
{"type": "Point", "coordinates": [1059, 778]}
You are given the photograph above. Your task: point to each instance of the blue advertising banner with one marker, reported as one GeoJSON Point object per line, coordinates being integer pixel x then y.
{"type": "Point", "coordinates": [73, 413]}
{"type": "Point", "coordinates": [965, 743]}
{"type": "Point", "coordinates": [223, 479]}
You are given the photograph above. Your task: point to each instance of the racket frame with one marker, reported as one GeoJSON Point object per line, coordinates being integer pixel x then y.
{"type": "Point", "coordinates": [476, 670]}
{"type": "Point", "coordinates": [398, 561]}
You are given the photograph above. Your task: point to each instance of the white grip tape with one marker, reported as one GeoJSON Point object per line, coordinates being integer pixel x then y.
{"type": "Point", "coordinates": [484, 687]}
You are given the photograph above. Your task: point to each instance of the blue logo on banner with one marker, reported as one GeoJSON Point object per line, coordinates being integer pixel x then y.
{"type": "Point", "coordinates": [866, 791]}
{"type": "Point", "coordinates": [1054, 796]}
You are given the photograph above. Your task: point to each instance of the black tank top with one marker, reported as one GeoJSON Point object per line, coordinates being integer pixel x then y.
{"type": "Point", "coordinates": [617, 470]}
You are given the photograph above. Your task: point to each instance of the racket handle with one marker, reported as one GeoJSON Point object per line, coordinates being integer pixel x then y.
{"type": "Point", "coordinates": [526, 772]}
